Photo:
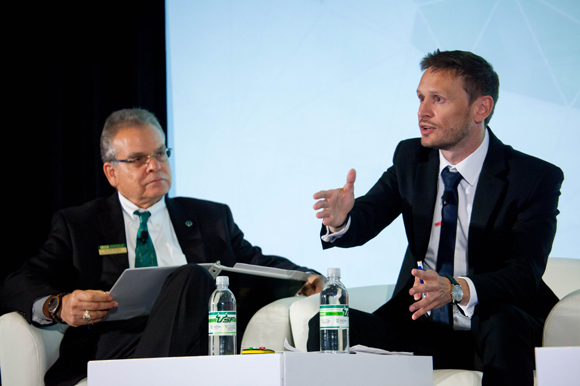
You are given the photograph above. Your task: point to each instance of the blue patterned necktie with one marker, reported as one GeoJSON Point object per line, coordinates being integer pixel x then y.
{"type": "Point", "coordinates": [446, 252]}
{"type": "Point", "coordinates": [144, 251]}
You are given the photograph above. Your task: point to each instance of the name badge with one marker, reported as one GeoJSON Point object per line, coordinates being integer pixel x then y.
{"type": "Point", "coordinates": [112, 249]}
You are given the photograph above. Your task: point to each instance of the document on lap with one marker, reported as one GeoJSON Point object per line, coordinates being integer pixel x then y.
{"type": "Point", "coordinates": [137, 289]}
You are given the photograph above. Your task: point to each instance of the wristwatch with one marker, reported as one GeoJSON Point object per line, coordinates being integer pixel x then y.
{"type": "Point", "coordinates": [456, 291]}
{"type": "Point", "coordinates": [54, 304]}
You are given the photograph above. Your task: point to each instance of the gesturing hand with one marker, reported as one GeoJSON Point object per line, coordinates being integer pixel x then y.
{"type": "Point", "coordinates": [74, 305]}
{"type": "Point", "coordinates": [336, 203]}
{"type": "Point", "coordinates": [437, 290]}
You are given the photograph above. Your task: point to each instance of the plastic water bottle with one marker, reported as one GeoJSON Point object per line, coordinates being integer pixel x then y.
{"type": "Point", "coordinates": [222, 319]}
{"type": "Point", "coordinates": [334, 313]}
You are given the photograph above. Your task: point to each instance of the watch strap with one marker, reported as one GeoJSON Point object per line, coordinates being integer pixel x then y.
{"type": "Point", "coordinates": [54, 312]}
{"type": "Point", "coordinates": [453, 301]}
{"type": "Point", "coordinates": [452, 280]}
{"type": "Point", "coordinates": [344, 222]}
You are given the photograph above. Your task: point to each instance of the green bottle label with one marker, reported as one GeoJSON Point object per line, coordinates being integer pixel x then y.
{"type": "Point", "coordinates": [334, 316]}
{"type": "Point", "coordinates": [222, 323]}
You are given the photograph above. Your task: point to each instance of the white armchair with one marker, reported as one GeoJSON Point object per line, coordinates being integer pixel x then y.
{"type": "Point", "coordinates": [26, 352]}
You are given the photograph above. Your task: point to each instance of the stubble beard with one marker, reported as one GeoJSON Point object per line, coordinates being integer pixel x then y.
{"type": "Point", "coordinates": [451, 137]}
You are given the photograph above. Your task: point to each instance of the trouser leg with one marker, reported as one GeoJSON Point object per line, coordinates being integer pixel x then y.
{"type": "Point", "coordinates": [177, 325]}
{"type": "Point", "coordinates": [506, 336]}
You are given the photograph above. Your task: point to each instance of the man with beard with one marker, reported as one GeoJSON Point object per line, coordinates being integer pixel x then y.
{"type": "Point", "coordinates": [480, 215]}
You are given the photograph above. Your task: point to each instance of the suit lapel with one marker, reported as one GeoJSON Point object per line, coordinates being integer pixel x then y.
{"type": "Point", "coordinates": [487, 197]}
{"type": "Point", "coordinates": [187, 230]}
{"type": "Point", "coordinates": [424, 196]}
{"type": "Point", "coordinates": [113, 227]}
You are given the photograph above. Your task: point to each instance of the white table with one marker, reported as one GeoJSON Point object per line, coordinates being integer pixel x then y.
{"type": "Point", "coordinates": [558, 366]}
{"type": "Point", "coordinates": [281, 369]}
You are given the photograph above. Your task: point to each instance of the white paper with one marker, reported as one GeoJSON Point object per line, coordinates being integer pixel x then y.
{"type": "Point", "coordinates": [258, 270]}
{"type": "Point", "coordinates": [136, 290]}
{"type": "Point", "coordinates": [288, 347]}
{"type": "Point", "coordinates": [359, 348]}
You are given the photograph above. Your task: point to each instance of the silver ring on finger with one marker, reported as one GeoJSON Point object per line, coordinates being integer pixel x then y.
{"type": "Point", "coordinates": [87, 315]}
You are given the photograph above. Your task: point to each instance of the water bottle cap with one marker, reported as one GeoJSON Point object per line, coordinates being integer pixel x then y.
{"type": "Point", "coordinates": [222, 280]}
{"type": "Point", "coordinates": [333, 272]}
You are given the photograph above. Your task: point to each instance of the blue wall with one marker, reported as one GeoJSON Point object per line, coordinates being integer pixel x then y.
{"type": "Point", "coordinates": [271, 101]}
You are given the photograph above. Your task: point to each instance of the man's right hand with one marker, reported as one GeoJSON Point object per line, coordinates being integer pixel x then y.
{"type": "Point", "coordinates": [74, 305]}
{"type": "Point", "coordinates": [336, 203]}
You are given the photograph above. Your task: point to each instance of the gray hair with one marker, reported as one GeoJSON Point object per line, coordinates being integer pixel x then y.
{"type": "Point", "coordinates": [123, 119]}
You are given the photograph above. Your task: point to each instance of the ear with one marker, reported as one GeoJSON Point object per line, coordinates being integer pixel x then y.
{"type": "Point", "coordinates": [483, 106]}
{"type": "Point", "coordinates": [111, 174]}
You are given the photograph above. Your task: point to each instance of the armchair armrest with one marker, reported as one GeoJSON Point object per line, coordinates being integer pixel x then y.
{"type": "Point", "coordinates": [562, 327]}
{"type": "Point", "coordinates": [26, 352]}
{"type": "Point", "coordinates": [270, 325]}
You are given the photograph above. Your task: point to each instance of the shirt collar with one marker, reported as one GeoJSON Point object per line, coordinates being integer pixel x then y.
{"type": "Point", "coordinates": [471, 166]}
{"type": "Point", "coordinates": [129, 207]}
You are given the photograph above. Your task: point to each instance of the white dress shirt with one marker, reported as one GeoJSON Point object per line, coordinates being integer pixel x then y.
{"type": "Point", "coordinates": [160, 229]}
{"type": "Point", "coordinates": [470, 168]}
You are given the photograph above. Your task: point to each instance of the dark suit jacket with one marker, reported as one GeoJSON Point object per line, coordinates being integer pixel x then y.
{"type": "Point", "coordinates": [512, 226]}
{"type": "Point", "coordinates": [70, 259]}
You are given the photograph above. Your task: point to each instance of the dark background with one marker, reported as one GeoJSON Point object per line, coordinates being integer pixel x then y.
{"type": "Point", "coordinates": [70, 66]}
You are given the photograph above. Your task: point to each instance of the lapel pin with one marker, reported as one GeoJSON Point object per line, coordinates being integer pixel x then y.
{"type": "Point", "coordinates": [188, 223]}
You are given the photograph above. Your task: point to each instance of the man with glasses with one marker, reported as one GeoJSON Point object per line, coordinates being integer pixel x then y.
{"type": "Point", "coordinates": [91, 245]}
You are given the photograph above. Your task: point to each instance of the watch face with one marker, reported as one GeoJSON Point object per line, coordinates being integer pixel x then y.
{"type": "Point", "coordinates": [457, 293]}
{"type": "Point", "coordinates": [53, 304]}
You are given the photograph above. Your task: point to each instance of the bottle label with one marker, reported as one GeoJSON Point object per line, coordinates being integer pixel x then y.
{"type": "Point", "coordinates": [334, 316]}
{"type": "Point", "coordinates": [222, 323]}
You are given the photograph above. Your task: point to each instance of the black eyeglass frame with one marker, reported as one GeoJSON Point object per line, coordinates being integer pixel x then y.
{"type": "Point", "coordinates": [163, 154]}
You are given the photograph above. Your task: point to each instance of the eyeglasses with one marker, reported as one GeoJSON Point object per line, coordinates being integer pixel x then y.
{"type": "Point", "coordinates": [160, 156]}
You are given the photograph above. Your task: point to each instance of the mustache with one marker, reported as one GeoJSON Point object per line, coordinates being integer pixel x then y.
{"type": "Point", "coordinates": [157, 176]}
{"type": "Point", "coordinates": [426, 123]}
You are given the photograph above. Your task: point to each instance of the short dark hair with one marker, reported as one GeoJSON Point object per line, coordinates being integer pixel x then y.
{"type": "Point", "coordinates": [122, 119]}
{"type": "Point", "coordinates": [478, 75]}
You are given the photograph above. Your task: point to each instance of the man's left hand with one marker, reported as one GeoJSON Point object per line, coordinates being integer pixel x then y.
{"type": "Point", "coordinates": [437, 290]}
{"type": "Point", "coordinates": [313, 285]}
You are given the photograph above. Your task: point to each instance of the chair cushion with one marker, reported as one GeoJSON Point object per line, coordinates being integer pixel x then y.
{"type": "Point", "coordinates": [270, 325]}
{"type": "Point", "coordinates": [300, 313]}
{"type": "Point", "coordinates": [456, 378]}
{"type": "Point", "coordinates": [26, 352]}
{"type": "Point", "coordinates": [562, 327]}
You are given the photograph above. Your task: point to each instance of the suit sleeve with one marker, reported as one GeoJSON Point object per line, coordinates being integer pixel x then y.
{"type": "Point", "coordinates": [50, 272]}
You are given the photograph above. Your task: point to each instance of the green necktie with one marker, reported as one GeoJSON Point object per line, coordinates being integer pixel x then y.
{"type": "Point", "coordinates": [144, 251]}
